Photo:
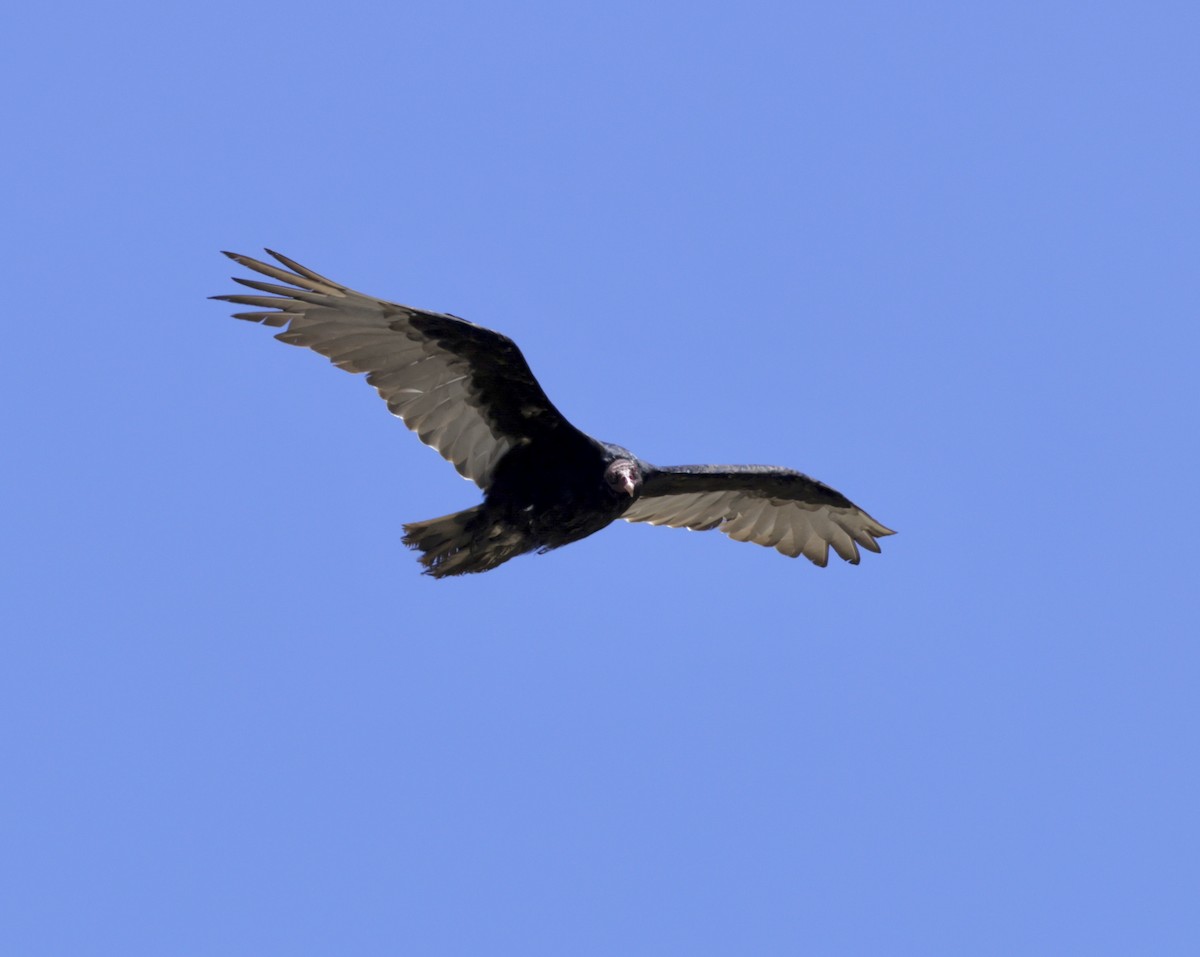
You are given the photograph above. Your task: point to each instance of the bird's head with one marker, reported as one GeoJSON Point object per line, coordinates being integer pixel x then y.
{"type": "Point", "coordinates": [624, 477]}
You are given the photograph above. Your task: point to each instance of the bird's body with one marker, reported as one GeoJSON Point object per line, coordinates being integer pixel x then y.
{"type": "Point", "coordinates": [557, 493]}
{"type": "Point", "coordinates": [540, 498]}
{"type": "Point", "coordinates": [468, 392]}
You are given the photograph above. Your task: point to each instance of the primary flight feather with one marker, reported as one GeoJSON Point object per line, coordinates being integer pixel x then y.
{"type": "Point", "coordinates": [469, 393]}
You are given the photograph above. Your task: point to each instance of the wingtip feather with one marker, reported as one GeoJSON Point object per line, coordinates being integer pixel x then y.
{"type": "Point", "coordinates": [303, 270]}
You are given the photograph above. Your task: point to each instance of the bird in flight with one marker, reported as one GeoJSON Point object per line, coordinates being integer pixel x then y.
{"type": "Point", "coordinates": [469, 393]}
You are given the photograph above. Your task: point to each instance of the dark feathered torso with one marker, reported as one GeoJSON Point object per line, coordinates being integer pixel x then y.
{"type": "Point", "coordinates": [555, 491]}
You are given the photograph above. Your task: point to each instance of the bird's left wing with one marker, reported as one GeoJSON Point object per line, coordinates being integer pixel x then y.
{"type": "Point", "coordinates": [465, 390]}
{"type": "Point", "coordinates": [776, 507]}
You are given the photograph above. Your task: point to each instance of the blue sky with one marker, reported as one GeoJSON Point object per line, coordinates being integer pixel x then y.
{"type": "Point", "coordinates": [940, 256]}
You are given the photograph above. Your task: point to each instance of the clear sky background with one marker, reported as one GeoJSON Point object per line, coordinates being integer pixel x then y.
{"type": "Point", "coordinates": [942, 256]}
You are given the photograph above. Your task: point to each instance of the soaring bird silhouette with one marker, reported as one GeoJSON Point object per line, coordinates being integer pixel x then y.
{"type": "Point", "coordinates": [469, 393]}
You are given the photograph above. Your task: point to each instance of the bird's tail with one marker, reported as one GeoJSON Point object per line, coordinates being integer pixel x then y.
{"type": "Point", "coordinates": [474, 540]}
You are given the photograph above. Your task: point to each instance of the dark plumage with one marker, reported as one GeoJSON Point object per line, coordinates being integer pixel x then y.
{"type": "Point", "coordinates": [469, 393]}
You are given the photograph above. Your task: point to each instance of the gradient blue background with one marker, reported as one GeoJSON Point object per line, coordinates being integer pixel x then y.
{"type": "Point", "coordinates": [942, 256]}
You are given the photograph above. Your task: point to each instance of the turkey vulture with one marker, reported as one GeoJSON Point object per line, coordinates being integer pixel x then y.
{"type": "Point", "coordinates": [469, 393]}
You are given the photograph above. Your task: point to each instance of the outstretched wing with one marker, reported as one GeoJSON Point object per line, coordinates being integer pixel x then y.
{"type": "Point", "coordinates": [776, 507]}
{"type": "Point", "coordinates": [465, 390]}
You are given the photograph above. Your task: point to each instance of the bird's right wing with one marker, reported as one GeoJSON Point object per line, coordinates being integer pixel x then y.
{"type": "Point", "coordinates": [465, 390]}
{"type": "Point", "coordinates": [776, 507]}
